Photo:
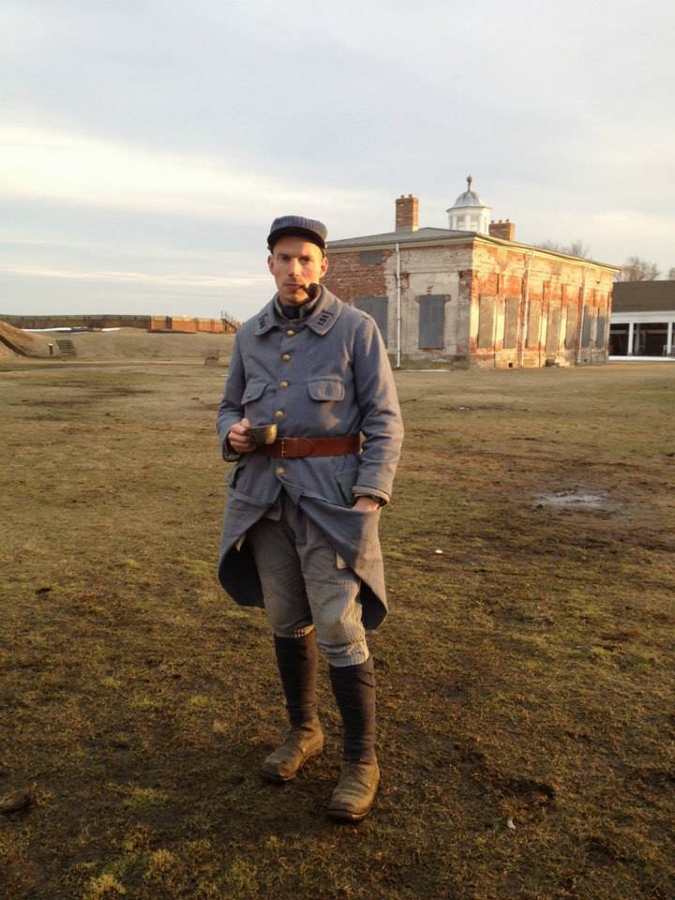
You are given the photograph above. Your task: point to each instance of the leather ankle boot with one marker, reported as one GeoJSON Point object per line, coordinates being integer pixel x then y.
{"type": "Point", "coordinates": [302, 743]}
{"type": "Point", "coordinates": [355, 792]}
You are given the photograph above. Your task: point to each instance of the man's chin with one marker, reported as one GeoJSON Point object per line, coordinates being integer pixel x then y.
{"type": "Point", "coordinates": [294, 298]}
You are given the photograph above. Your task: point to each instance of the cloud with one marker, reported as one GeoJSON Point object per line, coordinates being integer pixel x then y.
{"type": "Point", "coordinates": [145, 147]}
{"type": "Point", "coordinates": [147, 279]}
{"type": "Point", "coordinates": [82, 170]}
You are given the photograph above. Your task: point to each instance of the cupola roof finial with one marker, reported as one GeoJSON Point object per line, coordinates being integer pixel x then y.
{"type": "Point", "coordinates": [469, 179]}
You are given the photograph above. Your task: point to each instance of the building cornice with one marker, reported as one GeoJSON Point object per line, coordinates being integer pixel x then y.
{"type": "Point", "coordinates": [425, 238]}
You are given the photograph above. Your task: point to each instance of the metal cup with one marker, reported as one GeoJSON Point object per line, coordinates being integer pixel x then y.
{"type": "Point", "coordinates": [261, 435]}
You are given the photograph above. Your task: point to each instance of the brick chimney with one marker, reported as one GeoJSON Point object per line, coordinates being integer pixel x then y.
{"type": "Point", "coordinates": [505, 230]}
{"type": "Point", "coordinates": [407, 209]}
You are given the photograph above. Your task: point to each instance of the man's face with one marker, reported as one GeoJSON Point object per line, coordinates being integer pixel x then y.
{"type": "Point", "coordinates": [295, 263]}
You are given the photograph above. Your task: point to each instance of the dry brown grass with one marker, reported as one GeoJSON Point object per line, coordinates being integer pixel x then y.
{"type": "Point", "coordinates": [14, 341]}
{"type": "Point", "coordinates": [118, 346]}
{"type": "Point", "coordinates": [525, 671]}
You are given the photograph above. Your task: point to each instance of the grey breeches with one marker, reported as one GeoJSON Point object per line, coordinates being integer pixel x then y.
{"type": "Point", "coordinates": [306, 585]}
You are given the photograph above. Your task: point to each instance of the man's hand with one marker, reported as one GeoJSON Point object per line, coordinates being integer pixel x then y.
{"type": "Point", "coordinates": [237, 437]}
{"type": "Point", "coordinates": [366, 504]}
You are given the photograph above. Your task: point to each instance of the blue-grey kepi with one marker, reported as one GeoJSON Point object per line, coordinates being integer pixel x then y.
{"type": "Point", "coordinates": [298, 226]}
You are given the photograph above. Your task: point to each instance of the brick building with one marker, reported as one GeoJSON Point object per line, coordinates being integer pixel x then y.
{"type": "Point", "coordinates": [471, 293]}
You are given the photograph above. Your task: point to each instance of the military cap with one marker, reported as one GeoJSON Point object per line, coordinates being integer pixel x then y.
{"type": "Point", "coordinates": [298, 226]}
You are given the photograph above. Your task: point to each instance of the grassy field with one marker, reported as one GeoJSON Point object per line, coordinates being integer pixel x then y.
{"type": "Point", "coordinates": [526, 702]}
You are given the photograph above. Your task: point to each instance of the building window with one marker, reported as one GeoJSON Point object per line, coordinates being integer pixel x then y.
{"type": "Point", "coordinates": [378, 308]}
{"type": "Point", "coordinates": [553, 330]}
{"type": "Point", "coordinates": [432, 321]}
{"type": "Point", "coordinates": [486, 321]}
{"type": "Point", "coordinates": [600, 332]}
{"type": "Point", "coordinates": [370, 257]}
{"type": "Point", "coordinates": [533, 324]}
{"type": "Point", "coordinates": [512, 308]}
{"type": "Point", "coordinates": [571, 327]}
{"type": "Point", "coordinates": [587, 327]}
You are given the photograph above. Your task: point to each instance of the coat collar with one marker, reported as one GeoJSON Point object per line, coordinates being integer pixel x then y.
{"type": "Point", "coordinates": [325, 315]}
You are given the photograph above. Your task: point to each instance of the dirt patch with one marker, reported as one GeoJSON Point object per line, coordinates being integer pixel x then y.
{"type": "Point", "coordinates": [575, 499]}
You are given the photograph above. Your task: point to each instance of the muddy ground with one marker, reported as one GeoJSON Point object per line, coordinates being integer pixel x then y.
{"type": "Point", "coordinates": [526, 703]}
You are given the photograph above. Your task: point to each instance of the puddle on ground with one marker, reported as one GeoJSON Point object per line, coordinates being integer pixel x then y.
{"type": "Point", "coordinates": [574, 499]}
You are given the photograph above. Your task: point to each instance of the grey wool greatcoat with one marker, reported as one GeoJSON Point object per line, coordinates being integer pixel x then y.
{"type": "Point", "coordinates": [325, 375]}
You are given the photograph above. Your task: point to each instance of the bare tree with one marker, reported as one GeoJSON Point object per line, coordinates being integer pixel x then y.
{"type": "Point", "coordinates": [636, 269]}
{"type": "Point", "coordinates": [671, 274]}
{"type": "Point", "coordinates": [576, 248]}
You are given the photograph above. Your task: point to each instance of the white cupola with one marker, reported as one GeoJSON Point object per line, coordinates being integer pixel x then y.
{"type": "Point", "coordinates": [469, 213]}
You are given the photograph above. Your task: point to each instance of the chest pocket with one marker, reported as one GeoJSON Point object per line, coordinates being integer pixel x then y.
{"type": "Point", "coordinates": [332, 388]}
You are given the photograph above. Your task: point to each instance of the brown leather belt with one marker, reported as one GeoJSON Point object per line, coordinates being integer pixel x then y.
{"type": "Point", "coordinates": [293, 448]}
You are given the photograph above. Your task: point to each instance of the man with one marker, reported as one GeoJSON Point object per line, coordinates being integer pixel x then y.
{"type": "Point", "coordinates": [300, 534]}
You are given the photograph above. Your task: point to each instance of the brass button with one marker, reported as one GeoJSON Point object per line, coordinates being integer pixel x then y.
{"type": "Point", "coordinates": [286, 357]}
{"type": "Point", "coordinates": [279, 414]}
{"type": "Point", "coordinates": [290, 332]}
{"type": "Point", "coordinates": [283, 385]}
{"type": "Point", "coordinates": [280, 470]}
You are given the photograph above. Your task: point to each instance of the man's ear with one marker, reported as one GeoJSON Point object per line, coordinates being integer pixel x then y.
{"type": "Point", "coordinates": [324, 266]}
{"type": "Point", "coordinates": [270, 263]}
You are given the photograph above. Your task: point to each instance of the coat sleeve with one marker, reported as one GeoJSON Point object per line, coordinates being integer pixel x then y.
{"type": "Point", "coordinates": [381, 423]}
{"type": "Point", "coordinates": [231, 409]}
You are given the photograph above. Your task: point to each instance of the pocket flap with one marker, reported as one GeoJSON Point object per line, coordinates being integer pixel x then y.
{"type": "Point", "coordinates": [327, 388]}
{"type": "Point", "coordinates": [254, 390]}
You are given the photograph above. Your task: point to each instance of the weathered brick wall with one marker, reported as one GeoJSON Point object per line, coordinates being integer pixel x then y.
{"type": "Point", "coordinates": [504, 306]}
{"type": "Point", "coordinates": [348, 278]}
{"type": "Point", "coordinates": [213, 326]}
{"type": "Point", "coordinates": [423, 271]}
{"type": "Point", "coordinates": [437, 272]}
{"type": "Point", "coordinates": [188, 324]}
{"type": "Point", "coordinates": [183, 323]}
{"type": "Point", "coordinates": [559, 301]}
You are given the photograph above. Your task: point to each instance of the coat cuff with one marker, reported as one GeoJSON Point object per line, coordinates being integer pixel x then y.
{"type": "Point", "coordinates": [371, 492]}
{"type": "Point", "coordinates": [229, 454]}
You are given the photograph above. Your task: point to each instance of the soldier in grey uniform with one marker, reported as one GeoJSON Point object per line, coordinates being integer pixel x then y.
{"type": "Point", "coordinates": [300, 533]}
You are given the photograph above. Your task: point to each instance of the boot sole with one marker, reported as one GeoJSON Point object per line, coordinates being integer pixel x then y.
{"type": "Point", "coordinates": [347, 818]}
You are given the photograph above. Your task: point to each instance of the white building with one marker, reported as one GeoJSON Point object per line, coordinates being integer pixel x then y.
{"type": "Point", "coordinates": [642, 323]}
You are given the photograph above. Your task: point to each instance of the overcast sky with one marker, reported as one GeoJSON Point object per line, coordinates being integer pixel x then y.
{"type": "Point", "coordinates": [146, 145]}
